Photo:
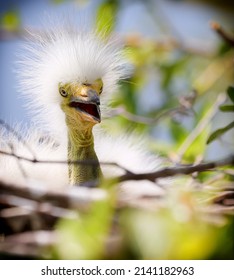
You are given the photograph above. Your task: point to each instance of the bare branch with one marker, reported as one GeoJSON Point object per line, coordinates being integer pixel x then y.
{"type": "Point", "coordinates": [28, 244]}
{"type": "Point", "coordinates": [226, 198]}
{"type": "Point", "coordinates": [80, 162]}
{"type": "Point", "coordinates": [71, 198]}
{"type": "Point", "coordinates": [17, 135]}
{"type": "Point", "coordinates": [174, 171]}
{"type": "Point", "coordinates": [185, 107]}
{"type": "Point", "coordinates": [222, 33]}
{"type": "Point", "coordinates": [22, 170]}
{"type": "Point", "coordinates": [18, 207]}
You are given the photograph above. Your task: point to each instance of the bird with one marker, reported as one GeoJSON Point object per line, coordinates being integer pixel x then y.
{"type": "Point", "coordinates": [67, 78]}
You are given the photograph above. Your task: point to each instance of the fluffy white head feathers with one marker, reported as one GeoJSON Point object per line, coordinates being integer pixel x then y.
{"type": "Point", "coordinates": [62, 55]}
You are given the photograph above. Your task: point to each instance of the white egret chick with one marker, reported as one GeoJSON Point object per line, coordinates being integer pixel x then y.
{"type": "Point", "coordinates": [66, 78]}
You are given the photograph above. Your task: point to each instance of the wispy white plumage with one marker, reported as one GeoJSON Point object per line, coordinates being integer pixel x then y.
{"type": "Point", "coordinates": [67, 55]}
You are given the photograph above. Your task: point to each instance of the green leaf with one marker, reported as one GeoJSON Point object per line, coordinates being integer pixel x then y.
{"type": "Point", "coordinates": [11, 21]}
{"type": "Point", "coordinates": [198, 146]}
{"type": "Point", "coordinates": [227, 108]}
{"type": "Point", "coordinates": [58, 1]}
{"type": "Point", "coordinates": [219, 132]}
{"type": "Point", "coordinates": [106, 16]}
{"type": "Point", "coordinates": [223, 48]}
{"type": "Point", "coordinates": [178, 132]}
{"type": "Point", "coordinates": [230, 92]}
{"type": "Point", "coordinates": [84, 237]}
{"type": "Point", "coordinates": [171, 70]}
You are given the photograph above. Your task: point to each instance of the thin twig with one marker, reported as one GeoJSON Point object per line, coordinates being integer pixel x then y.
{"type": "Point", "coordinates": [29, 244]}
{"type": "Point", "coordinates": [18, 206]}
{"type": "Point", "coordinates": [75, 162]}
{"type": "Point", "coordinates": [121, 111]}
{"type": "Point", "coordinates": [22, 170]}
{"type": "Point", "coordinates": [222, 33]}
{"type": "Point", "coordinates": [71, 198]}
{"type": "Point", "coordinates": [186, 103]}
{"type": "Point", "coordinates": [174, 171]}
{"type": "Point", "coordinates": [18, 136]}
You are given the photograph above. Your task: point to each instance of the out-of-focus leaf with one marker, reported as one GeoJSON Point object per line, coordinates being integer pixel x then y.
{"type": "Point", "coordinates": [178, 132]}
{"type": "Point", "coordinates": [219, 132]}
{"type": "Point", "coordinates": [224, 48]}
{"type": "Point", "coordinates": [218, 70]}
{"type": "Point", "coordinates": [176, 232]}
{"type": "Point", "coordinates": [224, 252]}
{"type": "Point", "coordinates": [84, 238]}
{"type": "Point", "coordinates": [128, 94]}
{"type": "Point", "coordinates": [79, 2]}
{"type": "Point", "coordinates": [159, 147]}
{"type": "Point", "coordinates": [230, 92]}
{"type": "Point", "coordinates": [227, 108]}
{"type": "Point", "coordinates": [106, 16]}
{"type": "Point", "coordinates": [58, 1]}
{"type": "Point", "coordinates": [11, 21]}
{"type": "Point", "coordinates": [198, 146]}
{"type": "Point", "coordinates": [170, 71]}
{"type": "Point", "coordinates": [144, 54]}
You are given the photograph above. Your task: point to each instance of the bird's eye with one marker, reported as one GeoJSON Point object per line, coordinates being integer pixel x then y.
{"type": "Point", "coordinates": [63, 92]}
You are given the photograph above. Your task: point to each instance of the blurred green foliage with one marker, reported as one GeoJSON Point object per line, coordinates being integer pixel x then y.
{"type": "Point", "coordinates": [85, 237]}
{"type": "Point", "coordinates": [106, 16]}
{"type": "Point", "coordinates": [10, 21]}
{"type": "Point", "coordinates": [224, 108]}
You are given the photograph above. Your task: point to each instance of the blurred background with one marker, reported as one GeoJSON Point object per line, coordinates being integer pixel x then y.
{"type": "Point", "coordinates": [179, 97]}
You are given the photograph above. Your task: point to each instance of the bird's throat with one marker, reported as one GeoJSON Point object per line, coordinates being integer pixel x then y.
{"type": "Point", "coordinates": [81, 149]}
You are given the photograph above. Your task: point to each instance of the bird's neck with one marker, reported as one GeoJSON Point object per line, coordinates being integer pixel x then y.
{"type": "Point", "coordinates": [81, 148]}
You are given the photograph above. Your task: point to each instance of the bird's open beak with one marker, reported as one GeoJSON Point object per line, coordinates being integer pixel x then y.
{"type": "Point", "coordinates": [89, 106]}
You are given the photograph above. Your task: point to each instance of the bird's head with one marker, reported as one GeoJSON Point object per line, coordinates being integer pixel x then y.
{"type": "Point", "coordinates": [80, 101]}
{"type": "Point", "coordinates": [68, 68]}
